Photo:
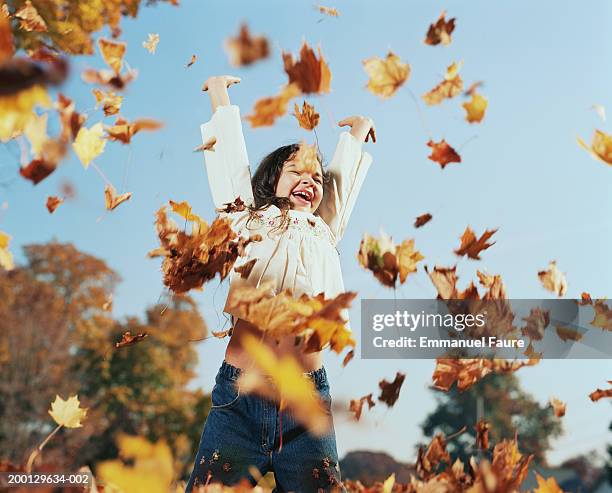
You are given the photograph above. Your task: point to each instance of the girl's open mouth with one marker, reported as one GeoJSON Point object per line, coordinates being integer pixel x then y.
{"type": "Point", "coordinates": [303, 197]}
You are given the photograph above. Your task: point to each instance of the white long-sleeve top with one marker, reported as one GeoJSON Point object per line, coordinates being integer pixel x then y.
{"type": "Point", "coordinates": [303, 257]}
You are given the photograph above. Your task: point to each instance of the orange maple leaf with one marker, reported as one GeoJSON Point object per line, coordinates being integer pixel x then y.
{"type": "Point", "coordinates": [311, 74]}
{"type": "Point", "coordinates": [442, 153]}
{"type": "Point", "coordinates": [472, 246]}
{"type": "Point", "coordinates": [440, 32]}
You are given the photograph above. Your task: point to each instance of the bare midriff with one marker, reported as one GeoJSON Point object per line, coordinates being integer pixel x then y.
{"type": "Point", "coordinates": [237, 356]}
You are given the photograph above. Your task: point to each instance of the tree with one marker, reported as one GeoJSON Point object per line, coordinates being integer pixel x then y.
{"type": "Point", "coordinates": [57, 338]}
{"type": "Point", "coordinates": [507, 408]}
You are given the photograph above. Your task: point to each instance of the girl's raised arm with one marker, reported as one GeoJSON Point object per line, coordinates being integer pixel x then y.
{"type": "Point", "coordinates": [348, 169]}
{"type": "Point", "coordinates": [227, 165]}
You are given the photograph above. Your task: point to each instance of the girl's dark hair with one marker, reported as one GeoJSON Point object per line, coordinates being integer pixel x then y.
{"type": "Point", "coordinates": [266, 178]}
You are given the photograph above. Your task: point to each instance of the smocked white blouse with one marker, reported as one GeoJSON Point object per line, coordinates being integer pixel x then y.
{"type": "Point", "coordinates": [303, 257]}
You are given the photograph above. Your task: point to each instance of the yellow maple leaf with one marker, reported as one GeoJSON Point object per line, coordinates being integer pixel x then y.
{"type": "Point", "coordinates": [601, 146]}
{"type": "Point", "coordinates": [112, 53]}
{"type": "Point", "coordinates": [152, 469]}
{"type": "Point", "coordinates": [184, 210]}
{"type": "Point", "coordinates": [451, 86]}
{"type": "Point", "coordinates": [151, 43]}
{"type": "Point", "coordinates": [290, 387]}
{"type": "Point", "coordinates": [89, 143]}
{"type": "Point", "coordinates": [386, 75]}
{"type": "Point", "coordinates": [553, 279]}
{"type": "Point", "coordinates": [112, 200]}
{"type": "Point", "coordinates": [6, 257]}
{"type": "Point", "coordinates": [36, 132]}
{"type": "Point", "coordinates": [16, 110]}
{"type": "Point", "coordinates": [67, 413]}
{"type": "Point", "coordinates": [548, 485]}
{"type": "Point", "coordinates": [308, 118]}
{"type": "Point", "coordinates": [475, 108]}
{"type": "Point", "coordinates": [111, 102]}
{"type": "Point", "coordinates": [407, 258]}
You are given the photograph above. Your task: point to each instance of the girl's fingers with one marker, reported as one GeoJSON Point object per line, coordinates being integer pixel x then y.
{"type": "Point", "coordinates": [346, 121]}
{"type": "Point", "coordinates": [227, 79]}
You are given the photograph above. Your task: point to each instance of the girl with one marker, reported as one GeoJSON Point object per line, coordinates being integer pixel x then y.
{"type": "Point", "coordinates": [301, 212]}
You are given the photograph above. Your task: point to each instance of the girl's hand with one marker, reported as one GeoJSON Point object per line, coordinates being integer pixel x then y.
{"type": "Point", "coordinates": [217, 89]}
{"type": "Point", "coordinates": [362, 128]}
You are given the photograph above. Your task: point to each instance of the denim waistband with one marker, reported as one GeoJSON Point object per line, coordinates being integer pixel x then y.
{"type": "Point", "coordinates": [232, 372]}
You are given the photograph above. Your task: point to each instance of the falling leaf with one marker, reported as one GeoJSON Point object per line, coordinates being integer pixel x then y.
{"type": "Point", "coordinates": [442, 153]}
{"type": "Point", "coordinates": [245, 269]}
{"type": "Point", "coordinates": [568, 334]}
{"type": "Point", "coordinates": [111, 198]}
{"type": "Point", "coordinates": [67, 413]}
{"type": "Point", "coordinates": [245, 49]}
{"type": "Point", "coordinates": [389, 391]}
{"type": "Point", "coordinates": [286, 385]}
{"type": "Point", "coordinates": [151, 43]}
{"type": "Point", "coordinates": [328, 11]}
{"type": "Point", "coordinates": [311, 74]}
{"type": "Point", "coordinates": [222, 334]}
{"type": "Point", "coordinates": [36, 132]}
{"type": "Point", "coordinates": [122, 131]}
{"type": "Point", "coordinates": [482, 434]}
{"type": "Point", "coordinates": [89, 143]}
{"type": "Point", "coordinates": [192, 61]}
{"type": "Point", "coordinates": [548, 485]}
{"type": "Point", "coordinates": [112, 53]}
{"type": "Point", "coordinates": [601, 111]}
{"type": "Point", "coordinates": [553, 279]}
{"type": "Point", "coordinates": [356, 405]}
{"type": "Point", "coordinates": [209, 145]}
{"type": "Point", "coordinates": [603, 315]}
{"type": "Point", "coordinates": [601, 146]}
{"type": "Point", "coordinates": [6, 257]}
{"type": "Point", "coordinates": [558, 407]}
{"type": "Point", "coordinates": [308, 118]}
{"type": "Point", "coordinates": [307, 157]}
{"type": "Point", "coordinates": [127, 339]}
{"type": "Point", "coordinates": [537, 321]}
{"type": "Point", "coordinates": [70, 119]}
{"type": "Point", "coordinates": [29, 19]}
{"type": "Point", "coordinates": [422, 220]}
{"type": "Point", "coordinates": [445, 281]}
{"type": "Point", "coordinates": [109, 78]}
{"type": "Point", "coordinates": [471, 246]}
{"type": "Point", "coordinates": [16, 110]}
{"type": "Point", "coordinates": [429, 460]}
{"type": "Point", "coordinates": [601, 393]}
{"type": "Point", "coordinates": [349, 356]}
{"type": "Point", "coordinates": [470, 91]}
{"type": "Point", "coordinates": [386, 75]}
{"type": "Point", "coordinates": [111, 102]}
{"type": "Point", "coordinates": [451, 86]}
{"type": "Point", "coordinates": [184, 210]}
{"type": "Point", "coordinates": [475, 109]}
{"type": "Point", "coordinates": [38, 169]}
{"type": "Point", "coordinates": [440, 32]}
{"type": "Point", "coordinates": [53, 203]}
{"type": "Point", "coordinates": [386, 260]}
{"type": "Point", "coordinates": [267, 110]}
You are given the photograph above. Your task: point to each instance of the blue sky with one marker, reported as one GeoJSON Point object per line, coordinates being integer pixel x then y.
{"type": "Point", "coordinates": [543, 64]}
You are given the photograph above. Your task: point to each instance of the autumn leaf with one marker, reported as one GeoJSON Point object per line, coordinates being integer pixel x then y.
{"type": "Point", "coordinates": [29, 19]}
{"type": "Point", "coordinates": [537, 321]}
{"type": "Point", "coordinates": [475, 108]}
{"type": "Point", "coordinates": [356, 405]}
{"type": "Point", "coordinates": [568, 334]}
{"type": "Point", "coordinates": [151, 43]}
{"type": "Point", "coordinates": [39, 168]}
{"type": "Point", "coordinates": [123, 131]}
{"type": "Point", "coordinates": [389, 391]}
{"type": "Point", "coordinates": [308, 118]}
{"type": "Point", "coordinates": [386, 75]}
{"type": "Point", "coordinates": [89, 143]}
{"type": "Point", "coordinates": [307, 157]}
{"type": "Point", "coordinates": [603, 315]}
{"type": "Point", "coordinates": [553, 279]}
{"type": "Point", "coordinates": [429, 460]}
{"type": "Point", "coordinates": [601, 393]}
{"type": "Point", "coordinates": [286, 385]}
{"type": "Point", "coordinates": [451, 86]}
{"type": "Point", "coordinates": [328, 11]}
{"type": "Point", "coordinates": [472, 246]}
{"type": "Point", "coordinates": [70, 119]}
{"type": "Point", "coordinates": [482, 434]}
{"type": "Point", "coordinates": [191, 61]}
{"type": "Point", "coordinates": [112, 53]}
{"type": "Point", "coordinates": [245, 269]}
{"type": "Point", "coordinates": [6, 257]}
{"type": "Point", "coordinates": [267, 110]}
{"type": "Point", "coordinates": [601, 146]}
{"type": "Point", "coordinates": [110, 102]}
{"type": "Point", "coordinates": [67, 413]}
{"type": "Point", "coordinates": [311, 74]}
{"type": "Point", "coordinates": [127, 339]}
{"type": "Point", "coordinates": [112, 200]}
{"type": "Point", "coordinates": [36, 132]}
{"type": "Point", "coordinates": [53, 203]}
{"type": "Point", "coordinates": [209, 145]}
{"type": "Point", "coordinates": [245, 49]}
{"type": "Point", "coordinates": [548, 485]}
{"type": "Point", "coordinates": [440, 32]}
{"type": "Point", "coordinates": [16, 110]}
{"type": "Point", "coordinates": [422, 220]}
{"type": "Point", "coordinates": [109, 78]}
{"type": "Point", "coordinates": [148, 467]}
{"type": "Point", "coordinates": [558, 407]}
{"type": "Point", "coordinates": [442, 153]}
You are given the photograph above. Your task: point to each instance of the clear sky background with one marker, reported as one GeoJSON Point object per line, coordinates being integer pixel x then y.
{"type": "Point", "coordinates": [544, 64]}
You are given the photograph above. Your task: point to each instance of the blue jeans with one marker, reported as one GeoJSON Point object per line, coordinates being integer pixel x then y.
{"type": "Point", "coordinates": [243, 430]}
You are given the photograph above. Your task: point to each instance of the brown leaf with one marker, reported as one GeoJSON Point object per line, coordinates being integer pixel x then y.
{"type": "Point", "coordinates": [356, 405]}
{"type": "Point", "coordinates": [245, 49]}
{"type": "Point", "coordinates": [209, 145]}
{"type": "Point", "coordinates": [111, 198]}
{"type": "Point", "coordinates": [70, 119]}
{"type": "Point", "coordinates": [553, 279]}
{"type": "Point", "coordinates": [123, 131]}
{"type": "Point", "coordinates": [389, 391]}
{"type": "Point", "coordinates": [245, 269]}
{"type": "Point", "coordinates": [601, 393]}
{"type": "Point", "coordinates": [429, 460]}
{"type": "Point", "coordinates": [442, 153]}
{"type": "Point", "coordinates": [440, 32]}
{"type": "Point", "coordinates": [191, 61]}
{"type": "Point", "coordinates": [127, 339]}
{"type": "Point", "coordinates": [267, 110]}
{"type": "Point", "coordinates": [558, 407]}
{"type": "Point", "coordinates": [308, 118]}
{"type": "Point", "coordinates": [482, 434]}
{"type": "Point", "coordinates": [537, 321]}
{"type": "Point", "coordinates": [111, 102]}
{"type": "Point", "coordinates": [53, 203]}
{"type": "Point", "coordinates": [422, 220]}
{"type": "Point", "coordinates": [29, 19]}
{"type": "Point", "coordinates": [471, 246]}
{"type": "Point", "coordinates": [311, 74]}
{"type": "Point", "coordinates": [568, 334]}
{"type": "Point", "coordinates": [38, 169]}
{"type": "Point", "coordinates": [349, 356]}
{"type": "Point", "coordinates": [109, 78]}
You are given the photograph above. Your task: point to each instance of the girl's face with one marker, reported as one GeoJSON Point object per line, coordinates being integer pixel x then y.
{"type": "Point", "coordinates": [302, 183]}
